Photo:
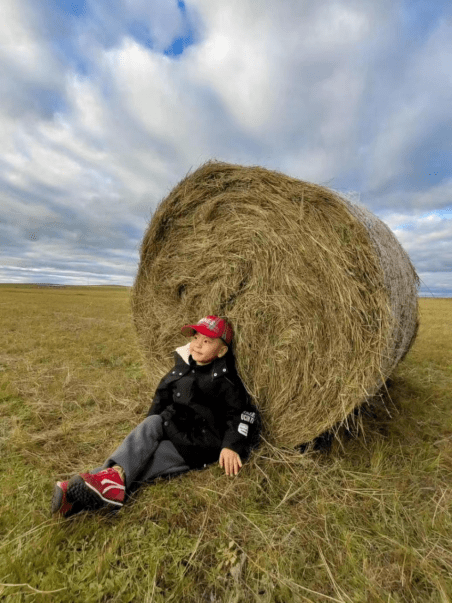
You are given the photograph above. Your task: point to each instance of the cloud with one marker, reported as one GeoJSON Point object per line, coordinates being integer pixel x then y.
{"type": "Point", "coordinates": [165, 21]}
{"type": "Point", "coordinates": [426, 238]}
{"type": "Point", "coordinates": [100, 117]}
{"type": "Point", "coordinates": [31, 73]}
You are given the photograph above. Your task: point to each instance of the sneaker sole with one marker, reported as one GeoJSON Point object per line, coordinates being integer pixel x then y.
{"type": "Point", "coordinates": [57, 499]}
{"type": "Point", "coordinates": [80, 491]}
{"type": "Point", "coordinates": [57, 503]}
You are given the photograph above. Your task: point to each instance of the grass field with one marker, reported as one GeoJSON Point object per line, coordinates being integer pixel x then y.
{"type": "Point", "coordinates": [367, 520]}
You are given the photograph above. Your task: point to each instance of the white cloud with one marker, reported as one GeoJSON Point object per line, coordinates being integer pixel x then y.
{"type": "Point", "coordinates": [87, 105]}
{"type": "Point", "coordinates": [23, 50]}
{"type": "Point", "coordinates": [18, 40]}
{"type": "Point", "coordinates": [238, 60]}
{"type": "Point", "coordinates": [428, 242]}
{"type": "Point", "coordinates": [146, 84]}
{"type": "Point", "coordinates": [286, 88]}
{"type": "Point", "coordinates": [338, 25]}
{"type": "Point", "coordinates": [293, 74]}
{"type": "Point", "coordinates": [62, 132]}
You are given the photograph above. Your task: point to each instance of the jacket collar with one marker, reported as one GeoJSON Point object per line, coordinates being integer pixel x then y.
{"type": "Point", "coordinates": [183, 357]}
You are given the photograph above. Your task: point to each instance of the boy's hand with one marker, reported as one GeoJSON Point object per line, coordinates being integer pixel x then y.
{"type": "Point", "coordinates": [231, 461]}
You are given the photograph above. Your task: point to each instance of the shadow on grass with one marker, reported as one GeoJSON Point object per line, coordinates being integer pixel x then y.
{"type": "Point", "coordinates": [378, 416]}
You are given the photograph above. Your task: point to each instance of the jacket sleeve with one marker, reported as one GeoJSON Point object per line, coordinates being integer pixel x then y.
{"type": "Point", "coordinates": [242, 420]}
{"type": "Point", "coordinates": [161, 398]}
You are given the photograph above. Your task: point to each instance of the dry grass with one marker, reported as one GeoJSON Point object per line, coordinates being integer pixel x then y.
{"type": "Point", "coordinates": [367, 520]}
{"type": "Point", "coordinates": [320, 293]}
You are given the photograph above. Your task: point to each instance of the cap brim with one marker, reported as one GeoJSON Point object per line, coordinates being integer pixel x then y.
{"type": "Point", "coordinates": [188, 330]}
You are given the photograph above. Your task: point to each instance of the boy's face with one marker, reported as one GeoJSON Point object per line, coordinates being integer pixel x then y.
{"type": "Point", "coordinates": [205, 349]}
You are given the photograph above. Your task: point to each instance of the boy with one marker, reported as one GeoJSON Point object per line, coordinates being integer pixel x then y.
{"type": "Point", "coordinates": [200, 410]}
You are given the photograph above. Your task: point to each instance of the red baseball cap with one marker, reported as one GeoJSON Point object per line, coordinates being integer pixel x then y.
{"type": "Point", "coordinates": [211, 326]}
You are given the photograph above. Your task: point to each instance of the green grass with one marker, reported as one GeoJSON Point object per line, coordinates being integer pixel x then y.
{"type": "Point", "coordinates": [368, 520]}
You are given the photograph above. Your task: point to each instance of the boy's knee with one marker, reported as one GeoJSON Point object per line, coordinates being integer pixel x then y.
{"type": "Point", "coordinates": [155, 423]}
{"type": "Point", "coordinates": [157, 419]}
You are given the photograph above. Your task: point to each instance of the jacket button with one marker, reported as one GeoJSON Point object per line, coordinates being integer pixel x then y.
{"type": "Point", "coordinates": [165, 423]}
{"type": "Point", "coordinates": [180, 373]}
{"type": "Point", "coordinates": [174, 372]}
{"type": "Point", "coordinates": [193, 370]}
{"type": "Point", "coordinates": [178, 394]}
{"type": "Point", "coordinates": [214, 374]}
{"type": "Point", "coordinates": [224, 370]}
{"type": "Point", "coordinates": [204, 431]}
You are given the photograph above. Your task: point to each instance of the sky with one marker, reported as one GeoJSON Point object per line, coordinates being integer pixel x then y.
{"type": "Point", "coordinates": [105, 105]}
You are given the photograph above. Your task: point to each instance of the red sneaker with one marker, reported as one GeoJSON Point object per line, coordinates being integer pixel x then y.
{"type": "Point", "coordinates": [60, 503]}
{"type": "Point", "coordinates": [96, 490]}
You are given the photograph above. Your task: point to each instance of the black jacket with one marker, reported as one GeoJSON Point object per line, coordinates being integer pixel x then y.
{"type": "Point", "coordinates": [205, 409]}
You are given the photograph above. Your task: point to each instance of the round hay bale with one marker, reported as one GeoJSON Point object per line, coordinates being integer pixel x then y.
{"type": "Point", "coordinates": [322, 297]}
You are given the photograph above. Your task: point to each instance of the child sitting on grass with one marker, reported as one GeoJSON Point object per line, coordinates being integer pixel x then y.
{"type": "Point", "coordinates": [200, 410]}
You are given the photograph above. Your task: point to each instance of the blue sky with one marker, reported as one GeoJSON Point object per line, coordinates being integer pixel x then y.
{"type": "Point", "coordinates": [106, 105]}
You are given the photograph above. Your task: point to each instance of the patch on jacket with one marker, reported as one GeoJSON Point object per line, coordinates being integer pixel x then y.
{"type": "Point", "coordinates": [243, 429]}
{"type": "Point", "coordinates": [248, 416]}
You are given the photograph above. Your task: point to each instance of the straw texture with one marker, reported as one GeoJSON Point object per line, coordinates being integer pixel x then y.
{"type": "Point", "coordinates": [322, 297]}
